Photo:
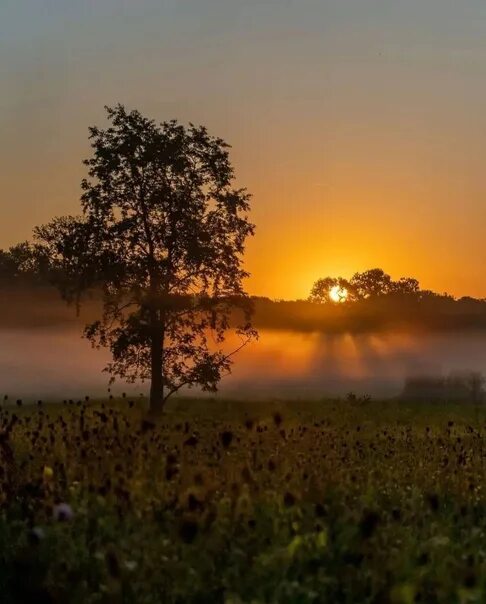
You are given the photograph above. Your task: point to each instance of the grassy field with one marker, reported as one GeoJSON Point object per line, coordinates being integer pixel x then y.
{"type": "Point", "coordinates": [243, 503]}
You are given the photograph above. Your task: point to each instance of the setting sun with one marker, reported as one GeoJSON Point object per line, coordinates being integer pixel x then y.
{"type": "Point", "coordinates": [338, 294]}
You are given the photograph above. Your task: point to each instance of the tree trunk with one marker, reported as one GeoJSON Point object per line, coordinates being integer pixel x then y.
{"type": "Point", "coordinates": [156, 358]}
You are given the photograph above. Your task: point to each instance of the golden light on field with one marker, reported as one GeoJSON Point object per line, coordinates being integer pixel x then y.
{"type": "Point", "coordinates": [338, 294]}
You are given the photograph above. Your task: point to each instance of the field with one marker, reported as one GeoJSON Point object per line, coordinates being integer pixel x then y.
{"type": "Point", "coordinates": [338, 501]}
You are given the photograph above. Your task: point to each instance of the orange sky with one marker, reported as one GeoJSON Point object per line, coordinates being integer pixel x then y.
{"type": "Point", "coordinates": [359, 126]}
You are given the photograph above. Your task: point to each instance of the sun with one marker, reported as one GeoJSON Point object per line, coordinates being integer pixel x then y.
{"type": "Point", "coordinates": [338, 294]}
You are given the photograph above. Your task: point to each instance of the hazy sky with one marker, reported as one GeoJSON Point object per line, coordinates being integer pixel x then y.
{"type": "Point", "coordinates": [358, 125]}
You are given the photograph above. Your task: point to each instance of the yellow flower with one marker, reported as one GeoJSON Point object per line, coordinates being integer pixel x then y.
{"type": "Point", "coordinates": [48, 473]}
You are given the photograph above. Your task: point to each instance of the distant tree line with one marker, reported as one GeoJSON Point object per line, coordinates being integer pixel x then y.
{"type": "Point", "coordinates": [370, 300]}
{"type": "Point", "coordinates": [459, 387]}
{"type": "Point", "coordinates": [27, 263]}
{"type": "Point", "coordinates": [368, 284]}
{"type": "Point", "coordinates": [20, 264]}
{"type": "Point", "coordinates": [373, 300]}
{"type": "Point", "coordinates": [434, 312]}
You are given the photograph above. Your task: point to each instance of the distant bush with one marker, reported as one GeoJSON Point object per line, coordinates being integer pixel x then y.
{"type": "Point", "coordinates": [465, 386]}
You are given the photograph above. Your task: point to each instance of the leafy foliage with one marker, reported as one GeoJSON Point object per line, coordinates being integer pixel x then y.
{"type": "Point", "coordinates": [370, 284]}
{"type": "Point", "coordinates": [20, 263]}
{"type": "Point", "coordinates": [162, 233]}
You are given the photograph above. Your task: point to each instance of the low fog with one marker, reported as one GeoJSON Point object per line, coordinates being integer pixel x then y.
{"type": "Point", "coordinates": [57, 363]}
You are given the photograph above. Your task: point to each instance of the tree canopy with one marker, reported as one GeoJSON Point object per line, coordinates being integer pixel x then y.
{"type": "Point", "coordinates": [162, 233]}
{"type": "Point", "coordinates": [19, 263]}
{"type": "Point", "coordinates": [370, 284]}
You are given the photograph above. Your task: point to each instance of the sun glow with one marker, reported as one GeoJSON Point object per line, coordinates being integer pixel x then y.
{"type": "Point", "coordinates": [338, 294]}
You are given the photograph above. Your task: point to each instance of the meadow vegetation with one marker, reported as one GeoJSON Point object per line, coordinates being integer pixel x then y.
{"type": "Point", "coordinates": [336, 501]}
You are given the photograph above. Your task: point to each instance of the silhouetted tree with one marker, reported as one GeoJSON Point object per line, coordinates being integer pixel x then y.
{"type": "Point", "coordinates": [405, 286]}
{"type": "Point", "coordinates": [321, 290]}
{"type": "Point", "coordinates": [163, 233]}
{"type": "Point", "coordinates": [371, 283]}
{"type": "Point", "coordinates": [19, 262]}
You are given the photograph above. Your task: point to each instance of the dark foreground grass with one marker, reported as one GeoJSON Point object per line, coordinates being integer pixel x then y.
{"type": "Point", "coordinates": [249, 502]}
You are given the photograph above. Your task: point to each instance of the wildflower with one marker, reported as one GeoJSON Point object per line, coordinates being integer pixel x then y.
{"type": "Point", "coordinates": [199, 479]}
{"type": "Point", "coordinates": [226, 438]}
{"type": "Point", "coordinates": [112, 563]}
{"type": "Point", "coordinates": [147, 425]}
{"type": "Point", "coordinates": [246, 474]}
{"type": "Point", "coordinates": [289, 499]}
{"type": "Point", "coordinates": [277, 419]}
{"type": "Point", "coordinates": [191, 441]}
{"type": "Point", "coordinates": [368, 524]}
{"type": "Point", "coordinates": [130, 565]}
{"type": "Point", "coordinates": [171, 459]}
{"type": "Point", "coordinates": [48, 473]}
{"type": "Point", "coordinates": [62, 512]}
{"type": "Point", "coordinates": [470, 579]}
{"type": "Point", "coordinates": [423, 559]}
{"type": "Point", "coordinates": [433, 501]}
{"type": "Point", "coordinates": [249, 423]}
{"type": "Point", "coordinates": [36, 535]}
{"type": "Point", "coordinates": [194, 503]}
{"type": "Point", "coordinates": [244, 503]}
{"type": "Point", "coordinates": [171, 471]}
{"type": "Point", "coordinates": [188, 531]}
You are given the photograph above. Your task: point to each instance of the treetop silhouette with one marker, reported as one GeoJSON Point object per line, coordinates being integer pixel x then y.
{"type": "Point", "coordinates": [162, 233]}
{"type": "Point", "coordinates": [369, 284]}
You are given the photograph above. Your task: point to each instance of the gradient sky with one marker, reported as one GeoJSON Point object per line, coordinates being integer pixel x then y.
{"type": "Point", "coordinates": [358, 125]}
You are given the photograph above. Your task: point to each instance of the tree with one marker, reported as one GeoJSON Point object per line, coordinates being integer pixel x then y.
{"type": "Point", "coordinates": [19, 262]}
{"type": "Point", "coordinates": [371, 283]}
{"type": "Point", "coordinates": [405, 286]}
{"type": "Point", "coordinates": [162, 233]}
{"type": "Point", "coordinates": [321, 290]}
